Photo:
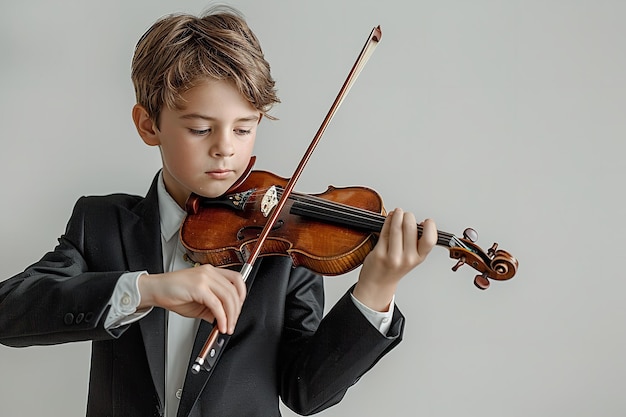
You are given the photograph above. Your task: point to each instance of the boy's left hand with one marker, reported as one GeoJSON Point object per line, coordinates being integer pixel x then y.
{"type": "Point", "coordinates": [396, 253]}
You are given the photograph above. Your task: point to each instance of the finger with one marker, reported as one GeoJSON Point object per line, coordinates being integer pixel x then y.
{"type": "Point", "coordinates": [237, 281]}
{"type": "Point", "coordinates": [409, 236]}
{"type": "Point", "coordinates": [223, 289]}
{"type": "Point", "coordinates": [238, 291]}
{"type": "Point", "coordinates": [384, 232]}
{"type": "Point", "coordinates": [215, 309]}
{"type": "Point", "coordinates": [428, 239]}
{"type": "Point", "coordinates": [207, 316]}
{"type": "Point", "coordinates": [395, 244]}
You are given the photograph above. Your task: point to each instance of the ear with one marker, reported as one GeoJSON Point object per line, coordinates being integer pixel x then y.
{"type": "Point", "coordinates": [145, 126]}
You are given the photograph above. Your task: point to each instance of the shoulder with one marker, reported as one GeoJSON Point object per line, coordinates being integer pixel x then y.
{"type": "Point", "coordinates": [116, 202]}
{"type": "Point", "coordinates": [126, 201]}
{"type": "Point", "coordinates": [101, 205]}
{"type": "Point", "coordinates": [113, 207]}
{"type": "Point", "coordinates": [99, 215]}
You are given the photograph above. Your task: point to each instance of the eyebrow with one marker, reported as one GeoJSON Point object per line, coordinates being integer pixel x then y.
{"type": "Point", "coordinates": [190, 116]}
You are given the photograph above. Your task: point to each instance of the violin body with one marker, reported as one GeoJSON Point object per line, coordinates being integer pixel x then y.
{"type": "Point", "coordinates": [222, 231]}
{"type": "Point", "coordinates": [330, 233]}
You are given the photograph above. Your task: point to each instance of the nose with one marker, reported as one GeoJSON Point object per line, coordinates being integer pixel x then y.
{"type": "Point", "coordinates": [222, 144]}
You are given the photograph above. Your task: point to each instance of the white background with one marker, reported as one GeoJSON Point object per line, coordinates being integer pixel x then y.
{"type": "Point", "coordinates": [506, 116]}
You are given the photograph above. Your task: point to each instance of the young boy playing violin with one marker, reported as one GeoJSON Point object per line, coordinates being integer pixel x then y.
{"type": "Point", "coordinates": [118, 276]}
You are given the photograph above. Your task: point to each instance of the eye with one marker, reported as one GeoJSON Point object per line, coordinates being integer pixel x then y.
{"type": "Point", "coordinates": [200, 132]}
{"type": "Point", "coordinates": [243, 131]}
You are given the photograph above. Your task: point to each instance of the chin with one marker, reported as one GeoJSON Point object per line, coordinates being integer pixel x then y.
{"type": "Point", "coordinates": [212, 192]}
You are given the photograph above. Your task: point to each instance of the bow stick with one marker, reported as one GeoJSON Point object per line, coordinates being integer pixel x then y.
{"type": "Point", "coordinates": [216, 342]}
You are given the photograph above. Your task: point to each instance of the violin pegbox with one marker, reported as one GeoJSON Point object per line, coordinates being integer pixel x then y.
{"type": "Point", "coordinates": [495, 264]}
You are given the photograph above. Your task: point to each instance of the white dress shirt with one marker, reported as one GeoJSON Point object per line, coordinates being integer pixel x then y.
{"type": "Point", "coordinates": [181, 330]}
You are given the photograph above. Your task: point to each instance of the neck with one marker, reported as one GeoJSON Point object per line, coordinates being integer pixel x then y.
{"type": "Point", "coordinates": [344, 215]}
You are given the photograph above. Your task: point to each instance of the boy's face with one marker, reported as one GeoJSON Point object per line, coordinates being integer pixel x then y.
{"type": "Point", "coordinates": [207, 145]}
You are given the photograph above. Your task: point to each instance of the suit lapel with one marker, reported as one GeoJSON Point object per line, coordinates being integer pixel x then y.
{"type": "Point", "coordinates": [194, 384]}
{"type": "Point", "coordinates": [153, 331]}
{"type": "Point", "coordinates": [141, 230]}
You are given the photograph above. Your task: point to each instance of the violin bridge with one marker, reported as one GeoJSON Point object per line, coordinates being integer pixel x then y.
{"type": "Point", "coordinates": [269, 201]}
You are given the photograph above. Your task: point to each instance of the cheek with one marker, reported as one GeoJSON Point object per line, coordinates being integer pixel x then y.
{"type": "Point", "coordinates": [180, 158]}
{"type": "Point", "coordinates": [248, 146]}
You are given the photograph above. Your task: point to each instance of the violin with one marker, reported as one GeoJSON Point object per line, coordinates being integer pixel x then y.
{"type": "Point", "coordinates": [330, 233]}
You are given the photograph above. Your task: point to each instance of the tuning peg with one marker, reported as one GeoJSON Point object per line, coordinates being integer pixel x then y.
{"type": "Point", "coordinates": [481, 281]}
{"type": "Point", "coordinates": [491, 252]}
{"type": "Point", "coordinates": [460, 262]}
{"type": "Point", "coordinates": [470, 234]}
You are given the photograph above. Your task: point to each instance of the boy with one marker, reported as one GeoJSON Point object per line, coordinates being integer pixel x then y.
{"type": "Point", "coordinates": [118, 277]}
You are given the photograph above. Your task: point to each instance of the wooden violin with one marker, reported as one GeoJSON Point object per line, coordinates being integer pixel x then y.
{"type": "Point", "coordinates": [330, 233]}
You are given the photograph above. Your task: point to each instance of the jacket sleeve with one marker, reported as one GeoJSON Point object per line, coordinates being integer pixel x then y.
{"type": "Point", "coordinates": [57, 299]}
{"type": "Point", "coordinates": [322, 358]}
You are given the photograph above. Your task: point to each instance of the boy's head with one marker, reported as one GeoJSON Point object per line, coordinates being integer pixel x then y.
{"type": "Point", "coordinates": [180, 51]}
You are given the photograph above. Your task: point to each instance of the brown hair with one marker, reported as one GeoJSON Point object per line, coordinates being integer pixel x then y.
{"type": "Point", "coordinates": [180, 50]}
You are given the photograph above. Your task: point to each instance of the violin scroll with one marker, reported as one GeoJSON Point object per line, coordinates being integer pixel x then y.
{"type": "Point", "coordinates": [496, 264]}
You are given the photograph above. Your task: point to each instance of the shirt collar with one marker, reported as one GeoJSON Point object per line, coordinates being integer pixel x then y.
{"type": "Point", "coordinates": [171, 214]}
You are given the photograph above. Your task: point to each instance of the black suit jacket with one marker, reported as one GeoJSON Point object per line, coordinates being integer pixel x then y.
{"type": "Point", "coordinates": [281, 345]}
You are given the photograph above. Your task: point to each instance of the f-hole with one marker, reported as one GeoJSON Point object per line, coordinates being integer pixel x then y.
{"type": "Point", "coordinates": [241, 234]}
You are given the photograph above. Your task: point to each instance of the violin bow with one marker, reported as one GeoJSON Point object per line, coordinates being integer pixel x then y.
{"type": "Point", "coordinates": [215, 343]}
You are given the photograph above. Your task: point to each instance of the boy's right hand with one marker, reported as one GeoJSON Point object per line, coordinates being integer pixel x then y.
{"type": "Point", "coordinates": [204, 292]}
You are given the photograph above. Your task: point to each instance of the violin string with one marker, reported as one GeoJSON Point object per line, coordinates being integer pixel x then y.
{"type": "Point", "coordinates": [366, 218]}
{"type": "Point", "coordinates": [355, 216]}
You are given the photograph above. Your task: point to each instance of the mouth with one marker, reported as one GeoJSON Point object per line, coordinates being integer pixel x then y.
{"type": "Point", "coordinates": [219, 174]}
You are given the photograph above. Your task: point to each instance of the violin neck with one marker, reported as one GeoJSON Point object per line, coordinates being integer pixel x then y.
{"type": "Point", "coordinates": [352, 217]}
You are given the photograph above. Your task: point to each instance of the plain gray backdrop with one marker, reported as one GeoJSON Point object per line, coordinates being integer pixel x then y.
{"type": "Point", "coordinates": [505, 116]}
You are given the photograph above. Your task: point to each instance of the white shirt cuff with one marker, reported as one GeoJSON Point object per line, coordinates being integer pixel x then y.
{"type": "Point", "coordinates": [124, 302]}
{"type": "Point", "coordinates": [380, 320]}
